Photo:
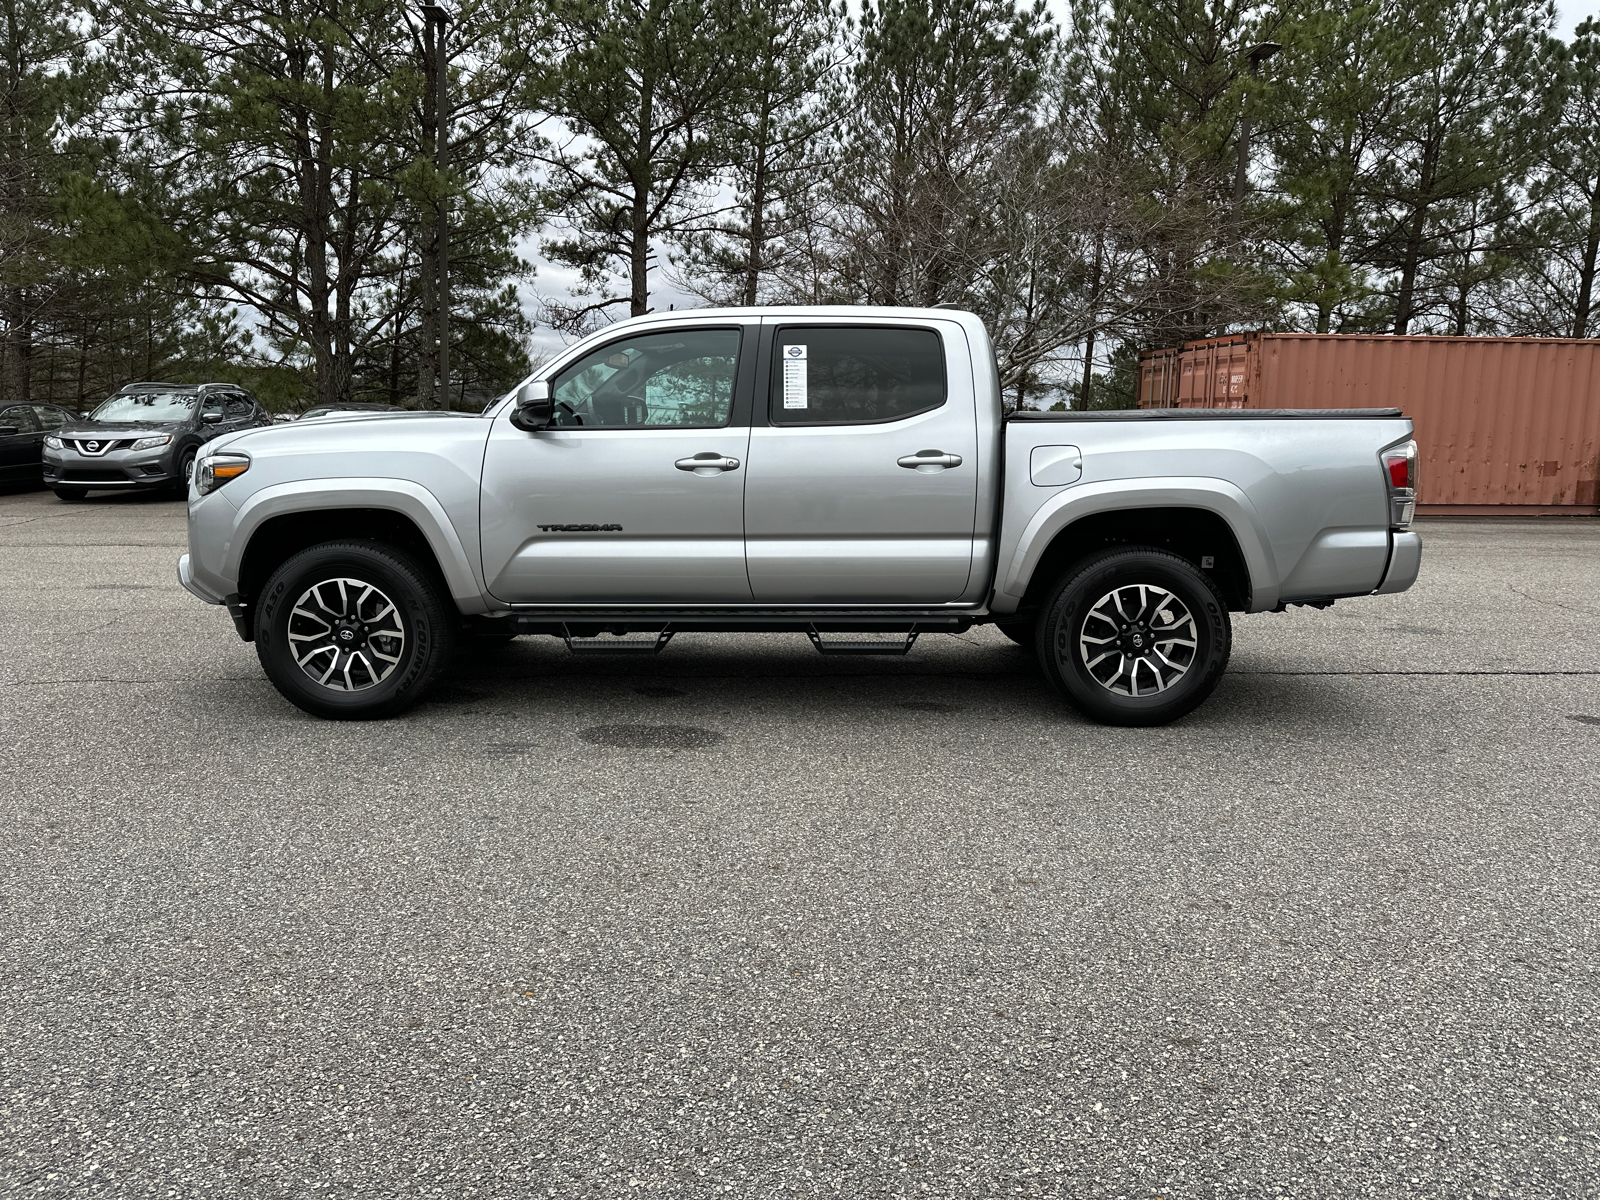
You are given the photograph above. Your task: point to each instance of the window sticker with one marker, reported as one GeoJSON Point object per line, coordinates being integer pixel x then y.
{"type": "Point", "coordinates": [794, 377]}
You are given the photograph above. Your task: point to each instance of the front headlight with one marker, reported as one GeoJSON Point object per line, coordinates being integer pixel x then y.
{"type": "Point", "coordinates": [211, 473]}
{"type": "Point", "coordinates": [150, 443]}
{"type": "Point", "coordinates": [52, 441]}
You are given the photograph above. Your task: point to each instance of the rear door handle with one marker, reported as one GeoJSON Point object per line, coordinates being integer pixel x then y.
{"type": "Point", "coordinates": [929, 460]}
{"type": "Point", "coordinates": [707, 464]}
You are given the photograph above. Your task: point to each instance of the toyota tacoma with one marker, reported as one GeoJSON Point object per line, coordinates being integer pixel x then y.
{"type": "Point", "coordinates": [848, 473]}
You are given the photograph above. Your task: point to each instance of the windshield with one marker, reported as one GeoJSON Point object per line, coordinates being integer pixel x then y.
{"type": "Point", "coordinates": [147, 406]}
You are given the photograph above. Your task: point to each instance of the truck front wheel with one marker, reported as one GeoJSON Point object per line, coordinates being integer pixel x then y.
{"type": "Point", "coordinates": [354, 630]}
{"type": "Point", "coordinates": [1134, 636]}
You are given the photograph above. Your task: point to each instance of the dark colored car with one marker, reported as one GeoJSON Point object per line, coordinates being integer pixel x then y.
{"type": "Point", "coordinates": [146, 436]}
{"type": "Point", "coordinates": [23, 428]}
{"type": "Point", "coordinates": [353, 406]}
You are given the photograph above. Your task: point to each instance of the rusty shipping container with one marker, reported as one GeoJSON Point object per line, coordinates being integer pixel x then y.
{"type": "Point", "coordinates": [1505, 426]}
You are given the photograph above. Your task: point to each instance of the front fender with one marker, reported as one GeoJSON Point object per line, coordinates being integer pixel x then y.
{"type": "Point", "coordinates": [402, 496]}
{"type": "Point", "coordinates": [1021, 556]}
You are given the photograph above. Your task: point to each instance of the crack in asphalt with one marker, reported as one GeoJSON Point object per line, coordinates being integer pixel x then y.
{"type": "Point", "coordinates": [1587, 612]}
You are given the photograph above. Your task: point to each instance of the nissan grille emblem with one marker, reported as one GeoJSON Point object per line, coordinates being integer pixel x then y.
{"type": "Point", "coordinates": [94, 445]}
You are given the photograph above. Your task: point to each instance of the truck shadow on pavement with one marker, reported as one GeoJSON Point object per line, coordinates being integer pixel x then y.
{"type": "Point", "coordinates": [980, 680]}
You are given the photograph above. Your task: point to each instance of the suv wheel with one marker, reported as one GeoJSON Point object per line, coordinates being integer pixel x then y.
{"type": "Point", "coordinates": [354, 630]}
{"type": "Point", "coordinates": [1135, 636]}
{"type": "Point", "coordinates": [185, 470]}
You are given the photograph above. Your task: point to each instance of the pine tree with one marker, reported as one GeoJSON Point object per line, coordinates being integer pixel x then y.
{"type": "Point", "coordinates": [1336, 83]}
{"type": "Point", "coordinates": [645, 90]}
{"type": "Point", "coordinates": [1558, 252]}
{"type": "Point", "coordinates": [1456, 143]}
{"type": "Point", "coordinates": [787, 109]}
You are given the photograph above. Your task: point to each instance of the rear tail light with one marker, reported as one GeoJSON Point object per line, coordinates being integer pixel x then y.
{"type": "Point", "coordinates": [1400, 474]}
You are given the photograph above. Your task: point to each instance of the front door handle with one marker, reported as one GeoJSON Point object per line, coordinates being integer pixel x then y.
{"type": "Point", "coordinates": [929, 460]}
{"type": "Point", "coordinates": [707, 463]}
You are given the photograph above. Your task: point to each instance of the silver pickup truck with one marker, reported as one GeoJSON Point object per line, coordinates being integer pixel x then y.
{"type": "Point", "coordinates": [843, 472]}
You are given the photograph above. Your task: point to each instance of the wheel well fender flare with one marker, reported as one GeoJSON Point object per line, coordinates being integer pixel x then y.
{"type": "Point", "coordinates": [402, 497]}
{"type": "Point", "coordinates": [1219, 497]}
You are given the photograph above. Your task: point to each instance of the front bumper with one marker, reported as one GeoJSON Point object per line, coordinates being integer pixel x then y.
{"type": "Point", "coordinates": [113, 469]}
{"type": "Point", "coordinates": [187, 579]}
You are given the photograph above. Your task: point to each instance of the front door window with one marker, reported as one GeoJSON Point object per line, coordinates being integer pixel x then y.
{"type": "Point", "coordinates": [682, 380]}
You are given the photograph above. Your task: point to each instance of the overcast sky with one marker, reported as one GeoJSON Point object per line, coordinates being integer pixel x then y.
{"type": "Point", "coordinates": [554, 280]}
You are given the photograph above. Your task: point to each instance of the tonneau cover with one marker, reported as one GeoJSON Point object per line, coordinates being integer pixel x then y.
{"type": "Point", "coordinates": [1214, 414]}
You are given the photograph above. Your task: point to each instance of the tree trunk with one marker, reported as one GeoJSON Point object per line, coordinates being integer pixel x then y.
{"type": "Point", "coordinates": [441, 159]}
{"type": "Point", "coordinates": [15, 326]}
{"type": "Point", "coordinates": [428, 290]}
{"type": "Point", "coordinates": [316, 205]}
{"type": "Point", "coordinates": [1088, 340]}
{"type": "Point", "coordinates": [643, 187]}
{"type": "Point", "coordinates": [344, 285]}
{"type": "Point", "coordinates": [394, 358]}
{"type": "Point", "coordinates": [1088, 372]}
{"type": "Point", "coordinates": [758, 213]}
{"type": "Point", "coordinates": [1586, 273]}
{"type": "Point", "coordinates": [1405, 299]}
{"type": "Point", "coordinates": [14, 379]}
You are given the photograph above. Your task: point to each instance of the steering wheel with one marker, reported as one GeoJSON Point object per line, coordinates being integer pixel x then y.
{"type": "Point", "coordinates": [571, 412]}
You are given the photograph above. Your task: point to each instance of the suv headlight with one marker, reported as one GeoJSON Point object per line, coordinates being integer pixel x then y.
{"type": "Point", "coordinates": [212, 472]}
{"type": "Point", "coordinates": [150, 443]}
{"type": "Point", "coordinates": [52, 441]}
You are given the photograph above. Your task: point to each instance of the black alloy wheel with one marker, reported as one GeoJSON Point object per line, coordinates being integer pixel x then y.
{"type": "Point", "coordinates": [354, 630]}
{"type": "Point", "coordinates": [1135, 636]}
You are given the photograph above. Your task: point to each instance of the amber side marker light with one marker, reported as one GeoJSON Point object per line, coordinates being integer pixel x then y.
{"type": "Point", "coordinates": [216, 470]}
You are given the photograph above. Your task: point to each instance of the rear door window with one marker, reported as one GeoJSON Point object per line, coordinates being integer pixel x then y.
{"type": "Point", "coordinates": [855, 375]}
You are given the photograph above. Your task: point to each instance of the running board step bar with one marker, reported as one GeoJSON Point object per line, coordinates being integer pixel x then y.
{"type": "Point", "coordinates": [616, 645]}
{"type": "Point", "coordinates": [824, 646]}
{"type": "Point", "coordinates": [890, 624]}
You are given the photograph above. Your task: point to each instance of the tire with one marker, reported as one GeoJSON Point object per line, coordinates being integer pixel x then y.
{"type": "Point", "coordinates": [1168, 677]}
{"type": "Point", "coordinates": [402, 630]}
{"type": "Point", "coordinates": [70, 494]}
{"type": "Point", "coordinates": [185, 467]}
{"type": "Point", "coordinates": [1019, 631]}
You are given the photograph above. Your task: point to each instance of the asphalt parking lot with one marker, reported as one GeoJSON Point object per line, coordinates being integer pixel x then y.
{"type": "Point", "coordinates": [745, 921]}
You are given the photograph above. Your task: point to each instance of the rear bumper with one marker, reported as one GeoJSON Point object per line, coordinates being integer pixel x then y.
{"type": "Point", "coordinates": [1405, 561]}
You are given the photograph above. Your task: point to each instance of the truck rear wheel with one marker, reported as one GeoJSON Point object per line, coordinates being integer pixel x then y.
{"type": "Point", "coordinates": [1134, 636]}
{"type": "Point", "coordinates": [354, 630]}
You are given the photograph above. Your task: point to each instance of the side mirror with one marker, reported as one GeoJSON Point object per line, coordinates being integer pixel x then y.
{"type": "Point", "coordinates": [534, 409]}
{"type": "Point", "coordinates": [211, 417]}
